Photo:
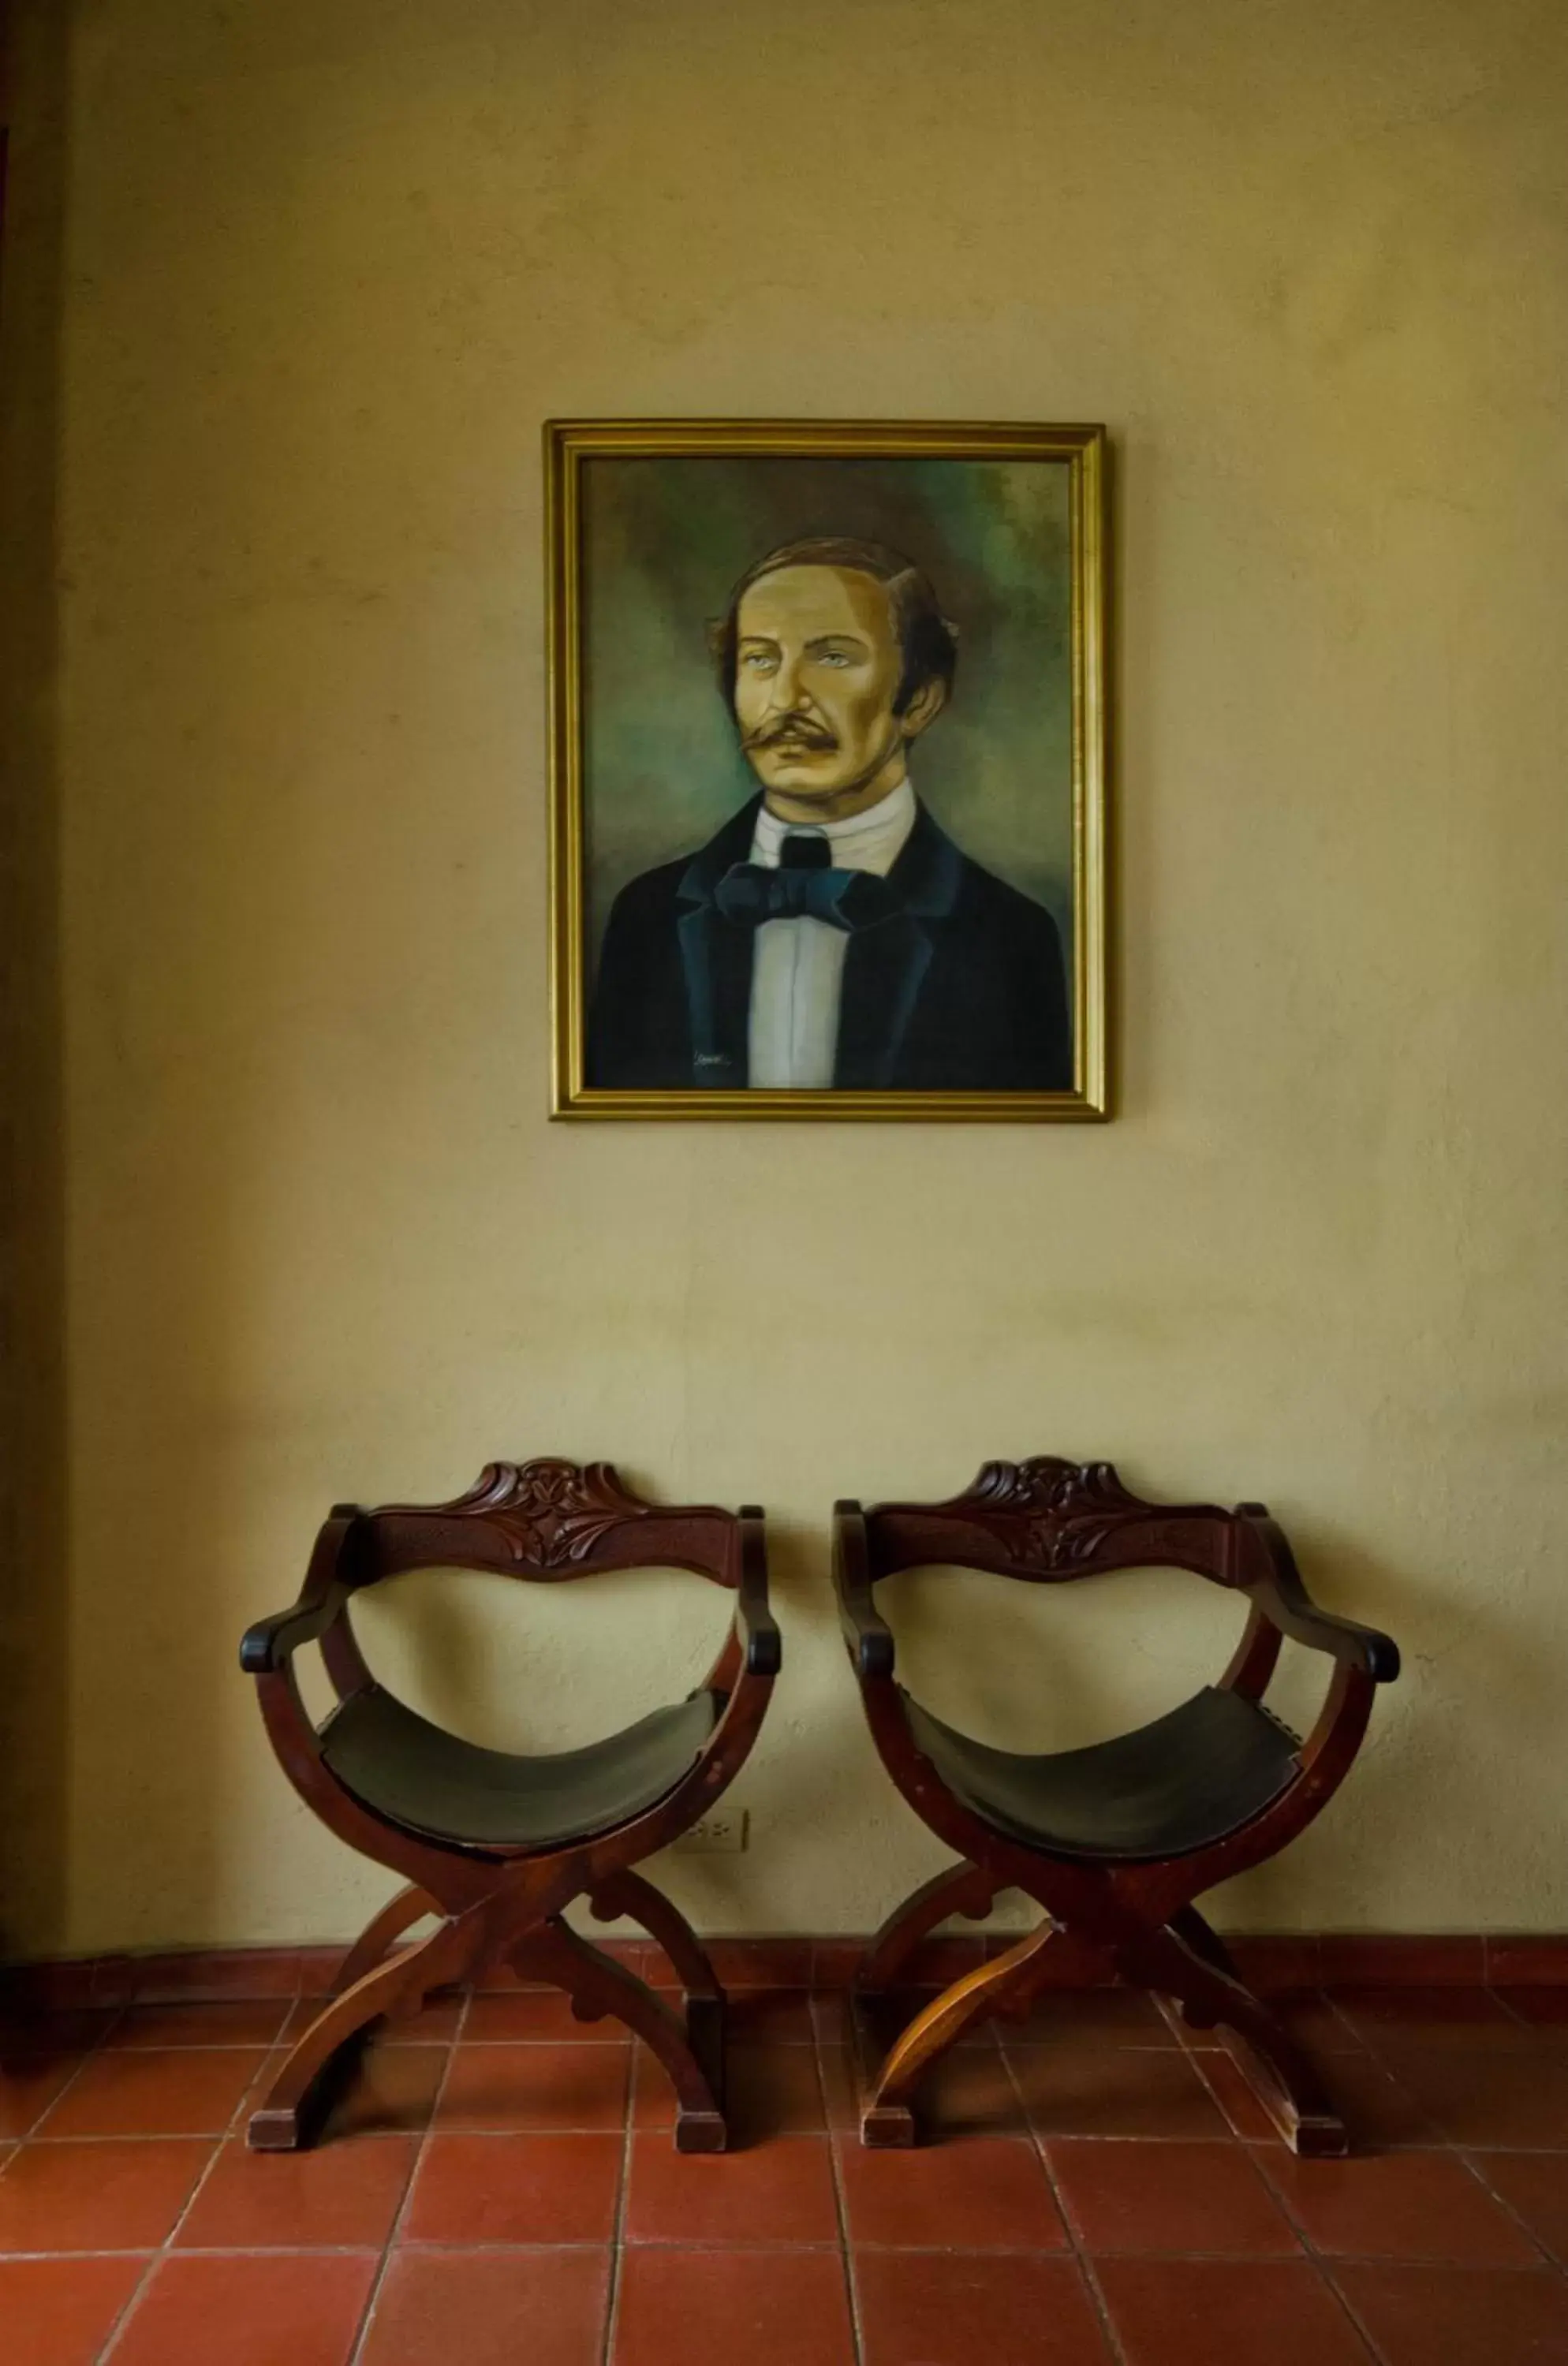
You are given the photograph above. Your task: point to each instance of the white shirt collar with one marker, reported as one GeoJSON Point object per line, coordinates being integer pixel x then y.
{"type": "Point", "coordinates": [872, 841]}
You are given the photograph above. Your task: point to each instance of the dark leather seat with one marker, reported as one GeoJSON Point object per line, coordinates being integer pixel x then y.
{"type": "Point", "coordinates": [1189, 1778]}
{"type": "Point", "coordinates": [431, 1782]}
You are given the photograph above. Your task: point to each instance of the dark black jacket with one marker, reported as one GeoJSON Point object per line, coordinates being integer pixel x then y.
{"type": "Point", "coordinates": [961, 991]}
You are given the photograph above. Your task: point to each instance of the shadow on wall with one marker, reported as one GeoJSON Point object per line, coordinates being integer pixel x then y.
{"type": "Point", "coordinates": [33, 1606]}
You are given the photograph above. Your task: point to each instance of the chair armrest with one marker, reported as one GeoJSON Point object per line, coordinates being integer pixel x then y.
{"type": "Point", "coordinates": [868, 1634]}
{"type": "Point", "coordinates": [267, 1645]}
{"type": "Point", "coordinates": [1282, 1596]}
{"type": "Point", "coordinates": [754, 1622]}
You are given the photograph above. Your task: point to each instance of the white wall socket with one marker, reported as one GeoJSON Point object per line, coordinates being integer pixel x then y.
{"type": "Point", "coordinates": [722, 1831]}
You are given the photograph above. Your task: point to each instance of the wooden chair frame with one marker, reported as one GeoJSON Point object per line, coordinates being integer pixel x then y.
{"type": "Point", "coordinates": [547, 1520]}
{"type": "Point", "coordinates": [1050, 1522]}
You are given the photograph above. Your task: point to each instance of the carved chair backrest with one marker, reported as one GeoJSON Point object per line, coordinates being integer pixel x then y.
{"type": "Point", "coordinates": [1050, 1522]}
{"type": "Point", "coordinates": [548, 1521]}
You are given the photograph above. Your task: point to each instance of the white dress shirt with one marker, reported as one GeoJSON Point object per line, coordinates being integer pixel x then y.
{"type": "Point", "coordinates": [797, 969]}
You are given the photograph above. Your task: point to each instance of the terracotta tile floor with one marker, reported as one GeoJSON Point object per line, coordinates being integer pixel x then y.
{"type": "Point", "coordinates": [497, 2186]}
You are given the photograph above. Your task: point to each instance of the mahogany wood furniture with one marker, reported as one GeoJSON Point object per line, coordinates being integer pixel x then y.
{"type": "Point", "coordinates": [499, 1845]}
{"type": "Point", "coordinates": [1115, 1842]}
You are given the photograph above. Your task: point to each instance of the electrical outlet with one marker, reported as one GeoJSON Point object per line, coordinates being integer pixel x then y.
{"type": "Point", "coordinates": [722, 1831]}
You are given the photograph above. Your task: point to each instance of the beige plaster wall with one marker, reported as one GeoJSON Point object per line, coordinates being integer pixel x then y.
{"type": "Point", "coordinates": [327, 265]}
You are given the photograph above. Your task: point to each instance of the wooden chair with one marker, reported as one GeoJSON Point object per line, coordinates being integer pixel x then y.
{"type": "Point", "coordinates": [1115, 1842]}
{"type": "Point", "coordinates": [499, 1845]}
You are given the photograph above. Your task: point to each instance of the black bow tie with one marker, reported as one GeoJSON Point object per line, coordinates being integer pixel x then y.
{"type": "Point", "coordinates": [804, 887]}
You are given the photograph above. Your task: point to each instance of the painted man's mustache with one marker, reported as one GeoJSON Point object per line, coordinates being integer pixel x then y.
{"type": "Point", "coordinates": [793, 727]}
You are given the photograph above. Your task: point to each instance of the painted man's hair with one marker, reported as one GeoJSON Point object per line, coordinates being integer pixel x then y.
{"type": "Point", "coordinates": [929, 643]}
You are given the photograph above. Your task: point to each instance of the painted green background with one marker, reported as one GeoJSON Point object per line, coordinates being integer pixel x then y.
{"type": "Point", "coordinates": [663, 542]}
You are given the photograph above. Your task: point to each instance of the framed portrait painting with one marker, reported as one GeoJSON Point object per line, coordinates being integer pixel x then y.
{"type": "Point", "coordinates": [829, 768]}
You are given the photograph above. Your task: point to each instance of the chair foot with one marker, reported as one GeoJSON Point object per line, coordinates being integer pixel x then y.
{"type": "Point", "coordinates": [690, 2045]}
{"type": "Point", "coordinates": [885, 2082]}
{"type": "Point", "coordinates": [887, 2127]}
{"type": "Point", "coordinates": [290, 2113]}
{"type": "Point", "coordinates": [884, 2126]}
{"type": "Point", "coordinates": [700, 2132]}
{"type": "Point", "coordinates": [1283, 2078]}
{"type": "Point", "coordinates": [275, 2131]}
{"type": "Point", "coordinates": [1308, 2122]}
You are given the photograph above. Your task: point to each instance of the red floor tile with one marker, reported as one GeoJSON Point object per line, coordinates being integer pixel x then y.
{"type": "Point", "coordinates": [830, 2018]}
{"type": "Point", "coordinates": [336, 2197]}
{"type": "Point", "coordinates": [1533, 2183]}
{"type": "Point", "coordinates": [97, 1984]}
{"type": "Point", "coordinates": [277, 2308]}
{"type": "Point", "coordinates": [970, 2092]}
{"type": "Point", "coordinates": [540, 2088]}
{"type": "Point", "coordinates": [1401, 2205]}
{"type": "Point", "coordinates": [1397, 1961]}
{"type": "Point", "coordinates": [950, 1956]}
{"type": "Point", "coordinates": [641, 1958]}
{"type": "Point", "coordinates": [30, 2029]}
{"type": "Point", "coordinates": [515, 2189]}
{"type": "Point", "coordinates": [29, 2084]}
{"type": "Point", "coordinates": [490, 2308]}
{"type": "Point", "coordinates": [835, 1963]}
{"type": "Point", "coordinates": [776, 2193]}
{"type": "Point", "coordinates": [757, 2308]}
{"type": "Point", "coordinates": [1515, 2101]}
{"type": "Point", "coordinates": [1121, 2090]}
{"type": "Point", "coordinates": [1271, 1962]}
{"type": "Point", "coordinates": [1090, 2017]}
{"type": "Point", "coordinates": [1238, 2105]}
{"type": "Point", "coordinates": [1460, 2316]}
{"type": "Point", "coordinates": [118, 2196]}
{"type": "Point", "coordinates": [534, 2017]}
{"type": "Point", "coordinates": [236, 2020]}
{"type": "Point", "coordinates": [837, 2086]}
{"type": "Point", "coordinates": [960, 2308]}
{"type": "Point", "coordinates": [1314, 2021]}
{"type": "Point", "coordinates": [217, 1972]}
{"type": "Point", "coordinates": [1168, 2197]}
{"type": "Point", "coordinates": [771, 2017]}
{"type": "Point", "coordinates": [385, 2090]}
{"type": "Point", "coordinates": [60, 2312]}
{"type": "Point", "coordinates": [1544, 2011]}
{"type": "Point", "coordinates": [761, 1963]}
{"type": "Point", "coordinates": [1527, 1961]}
{"type": "Point", "coordinates": [438, 2024]}
{"type": "Point", "coordinates": [771, 2091]}
{"type": "Point", "coordinates": [1377, 2110]}
{"type": "Point", "coordinates": [979, 2194]}
{"type": "Point", "coordinates": [191, 2092]}
{"type": "Point", "coordinates": [901, 2006]}
{"type": "Point", "coordinates": [1198, 2312]}
{"type": "Point", "coordinates": [1397, 2019]}
{"type": "Point", "coordinates": [1376, 2105]}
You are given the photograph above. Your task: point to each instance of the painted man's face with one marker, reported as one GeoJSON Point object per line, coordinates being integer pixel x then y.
{"type": "Point", "coordinates": [817, 666]}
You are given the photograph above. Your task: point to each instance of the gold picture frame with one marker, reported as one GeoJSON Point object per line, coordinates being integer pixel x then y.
{"type": "Point", "coordinates": [650, 523]}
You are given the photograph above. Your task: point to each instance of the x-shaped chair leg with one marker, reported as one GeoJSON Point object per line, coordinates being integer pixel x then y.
{"type": "Point", "coordinates": [1183, 1961]}
{"type": "Point", "coordinates": [887, 2087]}
{"type": "Point", "coordinates": [399, 1914]}
{"type": "Point", "coordinates": [1189, 1969]}
{"type": "Point", "coordinates": [287, 2115]}
{"type": "Point", "coordinates": [690, 2052]}
{"type": "Point", "coordinates": [518, 1925]}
